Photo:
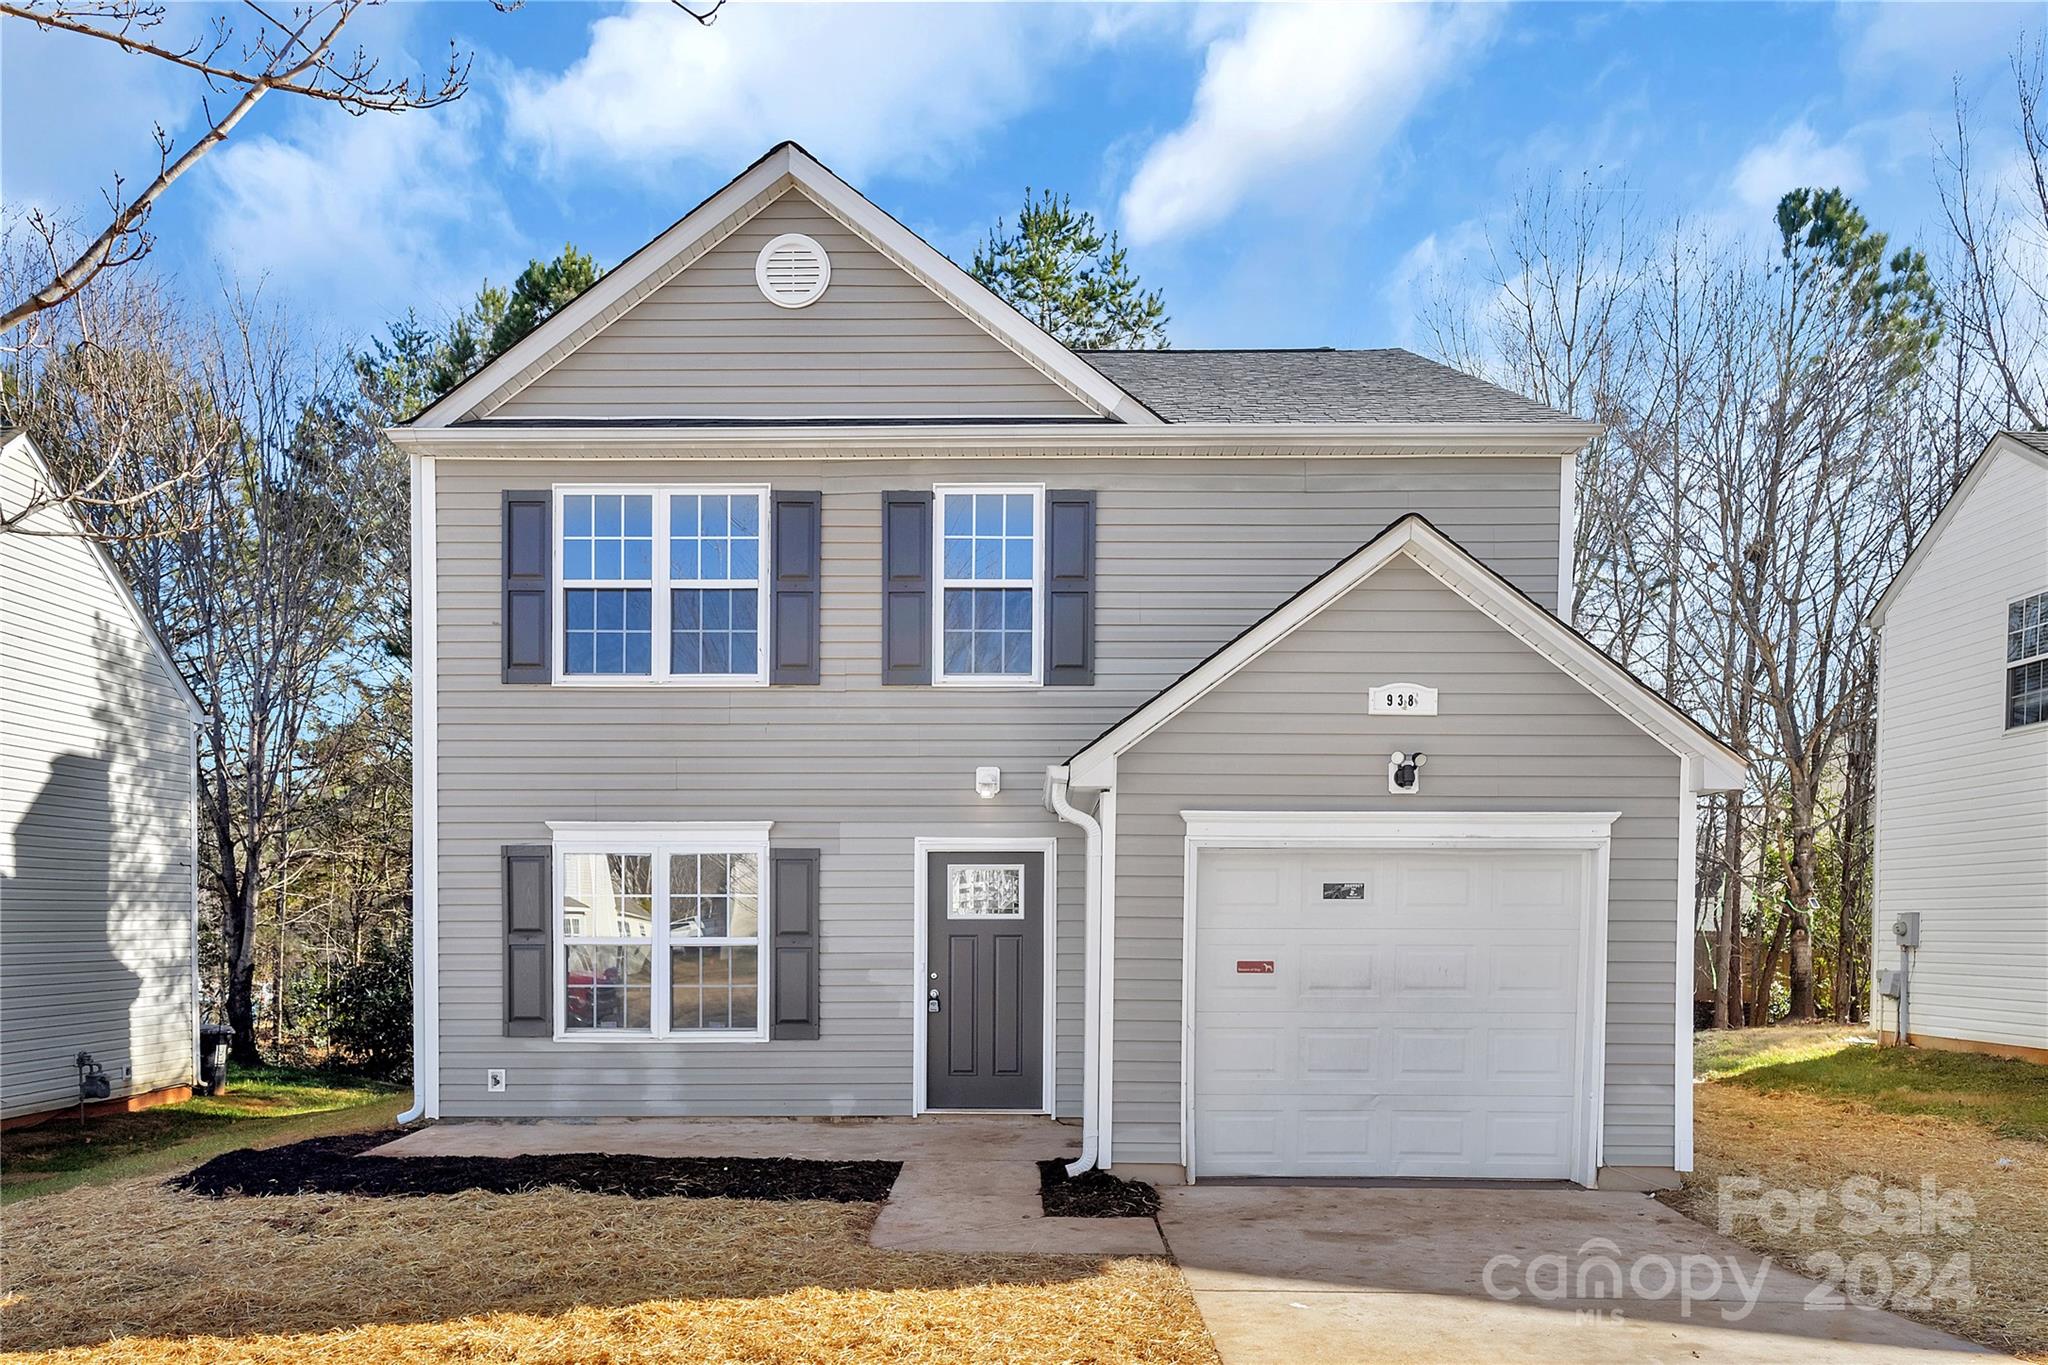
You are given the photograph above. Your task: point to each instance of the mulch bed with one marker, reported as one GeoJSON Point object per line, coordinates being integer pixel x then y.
{"type": "Point", "coordinates": [1094, 1194]}
{"type": "Point", "coordinates": [336, 1165]}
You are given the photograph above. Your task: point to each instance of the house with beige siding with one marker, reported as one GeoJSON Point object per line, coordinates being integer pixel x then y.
{"type": "Point", "coordinates": [98, 835]}
{"type": "Point", "coordinates": [1960, 938]}
{"type": "Point", "coordinates": [837, 697]}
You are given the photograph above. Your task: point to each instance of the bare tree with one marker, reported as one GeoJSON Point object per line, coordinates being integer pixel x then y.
{"type": "Point", "coordinates": [109, 394]}
{"type": "Point", "coordinates": [295, 53]}
{"type": "Point", "coordinates": [1996, 293]}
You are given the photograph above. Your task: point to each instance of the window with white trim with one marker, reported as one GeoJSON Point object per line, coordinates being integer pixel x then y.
{"type": "Point", "coordinates": [2026, 661]}
{"type": "Point", "coordinates": [662, 936]}
{"type": "Point", "coordinates": [662, 584]}
{"type": "Point", "coordinates": [988, 581]}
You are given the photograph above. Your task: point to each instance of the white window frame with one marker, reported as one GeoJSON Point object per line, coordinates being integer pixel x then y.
{"type": "Point", "coordinates": [659, 841]}
{"type": "Point", "coordinates": [940, 582]}
{"type": "Point", "coordinates": [662, 585]}
{"type": "Point", "coordinates": [2012, 664]}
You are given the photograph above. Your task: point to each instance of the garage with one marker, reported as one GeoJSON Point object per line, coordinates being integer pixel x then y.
{"type": "Point", "coordinates": [1372, 1011]}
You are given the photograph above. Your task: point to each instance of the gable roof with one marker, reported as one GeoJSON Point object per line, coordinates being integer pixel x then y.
{"type": "Point", "coordinates": [2025, 445]}
{"type": "Point", "coordinates": [14, 438]}
{"type": "Point", "coordinates": [1313, 385]}
{"type": "Point", "coordinates": [1716, 767]}
{"type": "Point", "coordinates": [786, 165]}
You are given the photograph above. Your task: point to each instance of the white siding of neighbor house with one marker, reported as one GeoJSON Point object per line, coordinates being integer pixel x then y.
{"type": "Point", "coordinates": [1290, 732]}
{"type": "Point", "coordinates": [1190, 552]}
{"type": "Point", "coordinates": [708, 344]}
{"type": "Point", "coordinates": [96, 833]}
{"type": "Point", "coordinates": [1962, 802]}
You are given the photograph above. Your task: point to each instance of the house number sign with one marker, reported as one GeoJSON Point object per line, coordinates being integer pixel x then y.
{"type": "Point", "coordinates": [1402, 699]}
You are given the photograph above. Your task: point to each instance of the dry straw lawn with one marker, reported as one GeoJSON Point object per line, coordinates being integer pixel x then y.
{"type": "Point", "coordinates": [134, 1272]}
{"type": "Point", "coordinates": [1795, 1142]}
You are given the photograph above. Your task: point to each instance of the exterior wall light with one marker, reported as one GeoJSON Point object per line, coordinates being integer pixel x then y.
{"type": "Point", "coordinates": [987, 782]}
{"type": "Point", "coordinates": [1404, 773]}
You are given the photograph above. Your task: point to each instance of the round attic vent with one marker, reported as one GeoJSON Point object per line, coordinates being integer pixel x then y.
{"type": "Point", "coordinates": [792, 271]}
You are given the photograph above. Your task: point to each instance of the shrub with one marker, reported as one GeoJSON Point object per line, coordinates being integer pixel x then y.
{"type": "Point", "coordinates": [365, 1011]}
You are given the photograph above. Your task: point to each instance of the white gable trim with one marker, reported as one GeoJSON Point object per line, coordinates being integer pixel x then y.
{"type": "Point", "coordinates": [1415, 539]}
{"type": "Point", "coordinates": [1998, 445]}
{"type": "Point", "coordinates": [700, 229]}
{"type": "Point", "coordinates": [20, 440]}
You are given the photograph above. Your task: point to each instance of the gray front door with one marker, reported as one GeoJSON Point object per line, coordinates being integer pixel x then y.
{"type": "Point", "coordinates": [985, 969]}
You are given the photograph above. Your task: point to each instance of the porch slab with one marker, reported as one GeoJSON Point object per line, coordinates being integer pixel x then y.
{"type": "Point", "coordinates": [969, 1182]}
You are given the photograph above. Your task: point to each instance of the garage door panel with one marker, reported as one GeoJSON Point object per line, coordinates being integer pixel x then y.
{"type": "Point", "coordinates": [1425, 1024]}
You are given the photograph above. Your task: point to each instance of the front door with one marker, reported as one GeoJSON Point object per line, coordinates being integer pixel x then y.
{"type": "Point", "coordinates": [984, 986]}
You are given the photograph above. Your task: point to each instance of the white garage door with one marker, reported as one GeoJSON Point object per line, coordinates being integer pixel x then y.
{"type": "Point", "coordinates": [1386, 1013]}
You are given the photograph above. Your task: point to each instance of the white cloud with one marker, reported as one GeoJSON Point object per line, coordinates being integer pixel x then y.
{"type": "Point", "coordinates": [869, 88]}
{"type": "Point", "coordinates": [1796, 157]}
{"type": "Point", "coordinates": [1296, 89]}
{"type": "Point", "coordinates": [363, 217]}
{"type": "Point", "coordinates": [1913, 40]}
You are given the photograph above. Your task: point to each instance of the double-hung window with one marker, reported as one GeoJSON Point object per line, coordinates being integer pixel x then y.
{"type": "Point", "coordinates": [662, 584]}
{"type": "Point", "coordinates": [989, 584]}
{"type": "Point", "coordinates": [2026, 661]}
{"type": "Point", "coordinates": [661, 935]}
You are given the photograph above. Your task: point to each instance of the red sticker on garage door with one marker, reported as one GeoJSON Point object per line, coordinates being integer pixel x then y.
{"type": "Point", "coordinates": [1248, 968]}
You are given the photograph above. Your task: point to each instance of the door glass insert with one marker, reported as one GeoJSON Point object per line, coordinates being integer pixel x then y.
{"type": "Point", "coordinates": [985, 891]}
{"type": "Point", "coordinates": [1343, 891]}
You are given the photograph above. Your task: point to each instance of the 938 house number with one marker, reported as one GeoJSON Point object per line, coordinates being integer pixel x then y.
{"type": "Point", "coordinates": [1401, 699]}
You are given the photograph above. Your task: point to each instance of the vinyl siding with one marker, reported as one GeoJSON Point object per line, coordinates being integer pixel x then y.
{"type": "Point", "coordinates": [1962, 802]}
{"type": "Point", "coordinates": [96, 834]}
{"type": "Point", "coordinates": [1189, 553]}
{"type": "Point", "coordinates": [707, 344]}
{"type": "Point", "coordinates": [1289, 732]}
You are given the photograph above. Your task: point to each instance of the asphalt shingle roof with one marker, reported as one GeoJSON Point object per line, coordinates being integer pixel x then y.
{"type": "Point", "coordinates": [1389, 385]}
{"type": "Point", "coordinates": [2037, 439]}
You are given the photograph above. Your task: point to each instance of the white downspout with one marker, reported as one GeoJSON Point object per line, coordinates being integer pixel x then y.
{"type": "Point", "coordinates": [1091, 1010]}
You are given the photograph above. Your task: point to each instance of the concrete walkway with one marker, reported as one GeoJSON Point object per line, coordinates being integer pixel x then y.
{"type": "Point", "coordinates": [1306, 1274]}
{"type": "Point", "coordinates": [969, 1183]}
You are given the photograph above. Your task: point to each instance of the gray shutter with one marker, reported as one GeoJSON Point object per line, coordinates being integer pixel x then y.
{"type": "Point", "coordinates": [1069, 589]}
{"type": "Point", "coordinates": [907, 587]}
{"type": "Point", "coordinates": [529, 964]}
{"type": "Point", "coordinates": [529, 587]}
{"type": "Point", "coordinates": [793, 907]}
{"type": "Point", "coordinates": [793, 606]}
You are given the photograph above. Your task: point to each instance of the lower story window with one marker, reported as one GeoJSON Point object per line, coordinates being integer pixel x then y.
{"type": "Point", "coordinates": [693, 969]}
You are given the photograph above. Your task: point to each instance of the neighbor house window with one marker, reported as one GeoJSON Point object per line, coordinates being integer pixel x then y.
{"type": "Point", "coordinates": [2026, 661]}
{"type": "Point", "coordinates": [662, 584]}
{"type": "Point", "coordinates": [988, 584]}
{"type": "Point", "coordinates": [661, 935]}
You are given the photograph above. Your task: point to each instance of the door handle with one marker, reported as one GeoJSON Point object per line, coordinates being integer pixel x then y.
{"type": "Point", "coordinates": [931, 1003]}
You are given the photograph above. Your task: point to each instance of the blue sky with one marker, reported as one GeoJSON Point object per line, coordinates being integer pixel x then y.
{"type": "Point", "coordinates": [1286, 175]}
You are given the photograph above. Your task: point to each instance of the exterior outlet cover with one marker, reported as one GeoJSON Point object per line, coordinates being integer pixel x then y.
{"type": "Point", "coordinates": [1888, 985]}
{"type": "Point", "coordinates": [494, 1080]}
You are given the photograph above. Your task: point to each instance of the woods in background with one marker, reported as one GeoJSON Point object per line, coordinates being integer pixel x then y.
{"type": "Point", "coordinates": [1787, 410]}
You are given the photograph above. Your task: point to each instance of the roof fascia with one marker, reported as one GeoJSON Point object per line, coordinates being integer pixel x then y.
{"type": "Point", "coordinates": [1996, 446]}
{"type": "Point", "coordinates": [1720, 768]}
{"type": "Point", "coordinates": [1335, 439]}
{"type": "Point", "coordinates": [112, 572]}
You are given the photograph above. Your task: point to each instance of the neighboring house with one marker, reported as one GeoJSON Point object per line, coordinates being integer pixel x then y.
{"type": "Point", "coordinates": [1962, 767]}
{"type": "Point", "coordinates": [98, 889]}
{"type": "Point", "coordinates": [836, 697]}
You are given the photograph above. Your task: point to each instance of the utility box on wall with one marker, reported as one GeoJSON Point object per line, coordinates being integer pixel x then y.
{"type": "Point", "coordinates": [1906, 929]}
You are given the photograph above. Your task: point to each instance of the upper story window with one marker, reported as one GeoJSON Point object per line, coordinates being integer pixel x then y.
{"type": "Point", "coordinates": [2026, 661]}
{"type": "Point", "coordinates": [662, 584]}
{"type": "Point", "coordinates": [989, 584]}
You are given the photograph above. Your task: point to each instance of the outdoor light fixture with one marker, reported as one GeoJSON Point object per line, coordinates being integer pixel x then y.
{"type": "Point", "coordinates": [1404, 777]}
{"type": "Point", "coordinates": [987, 782]}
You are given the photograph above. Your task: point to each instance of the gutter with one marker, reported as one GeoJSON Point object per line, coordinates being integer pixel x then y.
{"type": "Point", "coordinates": [1091, 1070]}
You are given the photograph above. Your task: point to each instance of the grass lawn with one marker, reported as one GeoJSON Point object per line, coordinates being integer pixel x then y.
{"type": "Point", "coordinates": [263, 1106]}
{"type": "Point", "coordinates": [1808, 1108]}
{"type": "Point", "coordinates": [135, 1272]}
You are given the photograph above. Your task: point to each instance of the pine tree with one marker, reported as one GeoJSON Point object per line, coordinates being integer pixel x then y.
{"type": "Point", "coordinates": [1059, 270]}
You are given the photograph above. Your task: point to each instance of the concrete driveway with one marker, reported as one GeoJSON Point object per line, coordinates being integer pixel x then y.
{"type": "Point", "coordinates": [1304, 1274]}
